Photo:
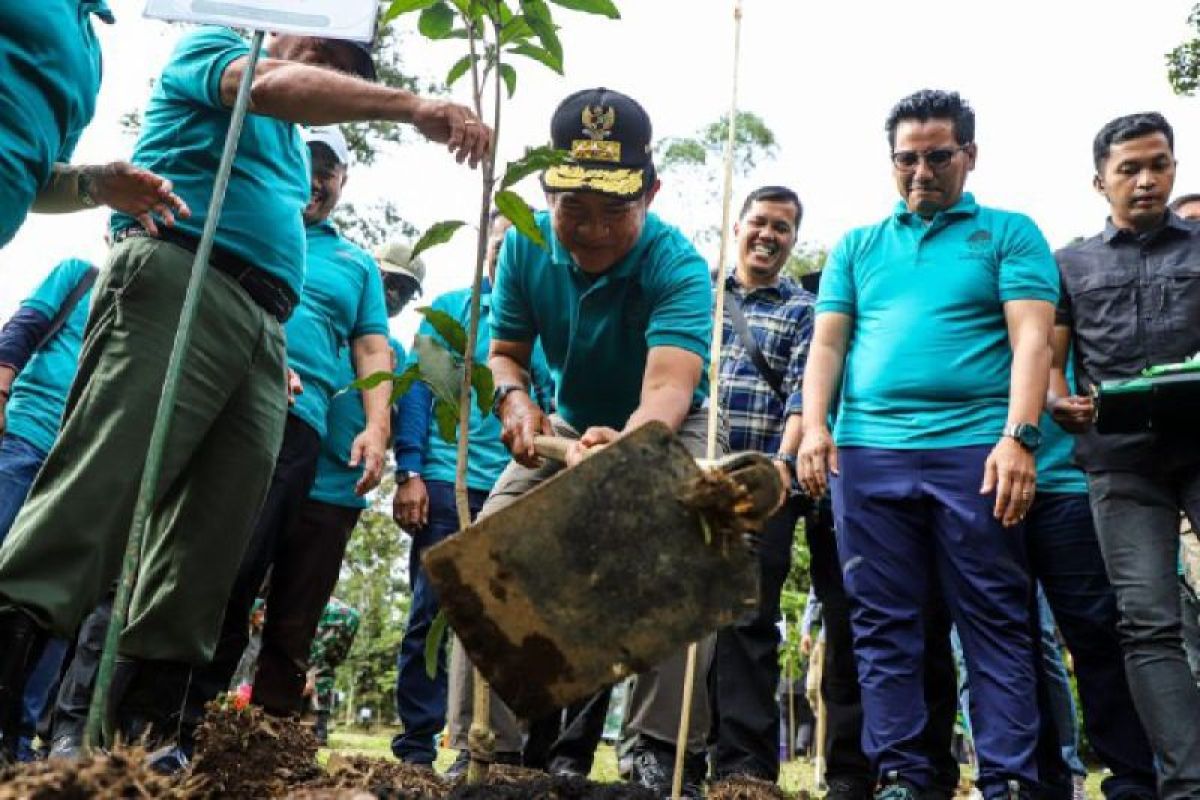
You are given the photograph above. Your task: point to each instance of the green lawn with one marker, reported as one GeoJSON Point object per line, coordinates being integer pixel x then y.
{"type": "Point", "coordinates": [796, 775]}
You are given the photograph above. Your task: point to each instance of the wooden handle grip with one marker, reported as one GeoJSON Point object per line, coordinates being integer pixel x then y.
{"type": "Point", "coordinates": [553, 447]}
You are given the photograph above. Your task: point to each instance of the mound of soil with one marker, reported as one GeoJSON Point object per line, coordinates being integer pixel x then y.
{"type": "Point", "coordinates": [358, 776]}
{"type": "Point", "coordinates": [743, 787]}
{"type": "Point", "coordinates": [250, 754]}
{"type": "Point", "coordinates": [121, 774]}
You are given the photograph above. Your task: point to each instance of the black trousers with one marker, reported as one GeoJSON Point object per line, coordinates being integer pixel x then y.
{"type": "Point", "coordinates": [744, 675]}
{"type": "Point", "coordinates": [567, 739]}
{"type": "Point", "coordinates": [303, 575]}
{"type": "Point", "coordinates": [295, 471]}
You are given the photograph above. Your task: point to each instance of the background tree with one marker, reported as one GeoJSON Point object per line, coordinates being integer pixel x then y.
{"type": "Point", "coordinates": [1183, 63]}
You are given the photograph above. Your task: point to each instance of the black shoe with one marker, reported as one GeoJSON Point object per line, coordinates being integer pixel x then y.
{"type": "Point", "coordinates": [848, 788]}
{"type": "Point", "coordinates": [653, 769]}
{"type": "Point", "coordinates": [149, 698]}
{"type": "Point", "coordinates": [67, 745]}
{"type": "Point", "coordinates": [20, 643]}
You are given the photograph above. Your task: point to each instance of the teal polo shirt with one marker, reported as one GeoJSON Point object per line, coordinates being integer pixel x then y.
{"type": "Point", "coordinates": [597, 331]}
{"type": "Point", "coordinates": [341, 301]}
{"type": "Point", "coordinates": [50, 59]}
{"type": "Point", "coordinates": [183, 132]}
{"type": "Point", "coordinates": [929, 360]}
{"type": "Point", "coordinates": [1056, 470]}
{"type": "Point", "coordinates": [487, 454]}
{"type": "Point", "coordinates": [39, 394]}
{"type": "Point", "coordinates": [335, 480]}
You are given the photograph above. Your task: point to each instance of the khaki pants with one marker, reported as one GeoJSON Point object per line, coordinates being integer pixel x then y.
{"type": "Point", "coordinates": [656, 695]}
{"type": "Point", "coordinates": [66, 547]}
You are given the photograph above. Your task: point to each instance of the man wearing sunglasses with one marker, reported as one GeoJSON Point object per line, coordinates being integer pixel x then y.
{"type": "Point", "coordinates": [936, 323]}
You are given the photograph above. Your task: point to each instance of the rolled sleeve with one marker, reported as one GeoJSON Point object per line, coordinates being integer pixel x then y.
{"type": "Point", "coordinates": [1027, 267]}
{"type": "Point", "coordinates": [511, 317]}
{"type": "Point", "coordinates": [681, 313]}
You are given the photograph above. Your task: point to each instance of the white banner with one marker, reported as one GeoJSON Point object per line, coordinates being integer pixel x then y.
{"type": "Point", "coordinates": [333, 19]}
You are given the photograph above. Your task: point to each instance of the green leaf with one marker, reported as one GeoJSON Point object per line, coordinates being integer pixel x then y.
{"type": "Point", "coordinates": [534, 160]}
{"type": "Point", "coordinates": [446, 414]}
{"type": "Point", "coordinates": [404, 382]}
{"type": "Point", "coordinates": [539, 54]}
{"type": "Point", "coordinates": [436, 21]}
{"type": "Point", "coordinates": [510, 78]}
{"type": "Point", "coordinates": [484, 385]}
{"type": "Point", "coordinates": [460, 68]}
{"type": "Point", "coordinates": [537, 16]}
{"type": "Point", "coordinates": [439, 369]}
{"type": "Point", "coordinates": [399, 7]}
{"type": "Point", "coordinates": [603, 7]}
{"type": "Point", "coordinates": [437, 233]}
{"type": "Point", "coordinates": [368, 382]}
{"type": "Point", "coordinates": [433, 643]}
{"type": "Point", "coordinates": [518, 212]}
{"type": "Point", "coordinates": [514, 30]}
{"type": "Point", "coordinates": [447, 327]}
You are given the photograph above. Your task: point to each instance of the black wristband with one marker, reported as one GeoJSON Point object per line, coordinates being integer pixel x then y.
{"type": "Point", "coordinates": [502, 391]}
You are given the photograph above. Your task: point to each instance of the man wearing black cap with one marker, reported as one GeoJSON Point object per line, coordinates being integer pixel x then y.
{"type": "Point", "coordinates": [66, 547]}
{"type": "Point", "coordinates": [621, 303]}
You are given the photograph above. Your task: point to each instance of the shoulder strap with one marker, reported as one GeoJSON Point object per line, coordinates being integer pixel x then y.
{"type": "Point", "coordinates": [738, 317]}
{"type": "Point", "coordinates": [64, 311]}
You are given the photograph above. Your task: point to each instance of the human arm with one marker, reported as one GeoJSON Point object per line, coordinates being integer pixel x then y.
{"type": "Point", "coordinates": [410, 505]}
{"type": "Point", "coordinates": [119, 185]}
{"type": "Point", "coordinates": [521, 418]}
{"type": "Point", "coordinates": [1011, 469]}
{"type": "Point", "coordinates": [1072, 412]}
{"type": "Point", "coordinates": [372, 353]}
{"type": "Point", "coordinates": [822, 375]}
{"type": "Point", "coordinates": [311, 95]}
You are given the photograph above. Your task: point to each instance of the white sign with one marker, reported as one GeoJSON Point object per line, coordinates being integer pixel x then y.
{"type": "Point", "coordinates": [331, 19]}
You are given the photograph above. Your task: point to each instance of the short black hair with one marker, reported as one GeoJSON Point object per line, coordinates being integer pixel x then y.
{"type": "Point", "coordinates": [779, 193]}
{"type": "Point", "coordinates": [1184, 199]}
{"type": "Point", "coordinates": [1130, 126]}
{"type": "Point", "coordinates": [930, 104]}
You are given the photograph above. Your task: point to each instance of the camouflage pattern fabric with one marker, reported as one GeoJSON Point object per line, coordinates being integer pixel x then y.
{"type": "Point", "coordinates": [331, 645]}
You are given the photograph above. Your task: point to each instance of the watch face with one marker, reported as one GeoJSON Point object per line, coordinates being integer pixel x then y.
{"type": "Point", "coordinates": [1030, 436]}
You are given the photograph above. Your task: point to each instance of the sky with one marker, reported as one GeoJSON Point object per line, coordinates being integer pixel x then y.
{"type": "Point", "coordinates": [1042, 75]}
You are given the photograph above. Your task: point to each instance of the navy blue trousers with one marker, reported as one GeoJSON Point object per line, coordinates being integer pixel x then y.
{"type": "Point", "coordinates": [911, 524]}
{"type": "Point", "coordinates": [420, 699]}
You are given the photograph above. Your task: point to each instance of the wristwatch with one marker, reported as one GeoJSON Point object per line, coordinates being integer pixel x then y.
{"type": "Point", "coordinates": [502, 391]}
{"type": "Point", "coordinates": [403, 476]}
{"type": "Point", "coordinates": [1027, 435]}
{"type": "Point", "coordinates": [84, 184]}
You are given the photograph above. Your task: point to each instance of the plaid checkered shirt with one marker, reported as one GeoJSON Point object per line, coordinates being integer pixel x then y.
{"type": "Point", "coordinates": [780, 318]}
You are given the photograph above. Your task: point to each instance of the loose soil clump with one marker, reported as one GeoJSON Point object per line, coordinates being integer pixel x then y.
{"type": "Point", "coordinates": [723, 504]}
{"type": "Point", "coordinates": [744, 787]}
{"type": "Point", "coordinates": [121, 774]}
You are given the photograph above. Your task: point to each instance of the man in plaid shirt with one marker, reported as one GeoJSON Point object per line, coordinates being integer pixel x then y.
{"type": "Point", "coordinates": [760, 395]}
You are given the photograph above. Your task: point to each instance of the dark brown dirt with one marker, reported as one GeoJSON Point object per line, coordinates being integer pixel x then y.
{"type": "Point", "coordinates": [355, 776]}
{"type": "Point", "coordinates": [723, 503]}
{"type": "Point", "coordinates": [121, 774]}
{"type": "Point", "coordinates": [743, 787]}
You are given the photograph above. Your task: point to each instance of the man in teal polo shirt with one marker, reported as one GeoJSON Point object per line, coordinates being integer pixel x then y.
{"type": "Point", "coordinates": [66, 546]}
{"type": "Point", "coordinates": [621, 304]}
{"type": "Point", "coordinates": [936, 322]}
{"type": "Point", "coordinates": [424, 506]}
{"type": "Point", "coordinates": [50, 58]}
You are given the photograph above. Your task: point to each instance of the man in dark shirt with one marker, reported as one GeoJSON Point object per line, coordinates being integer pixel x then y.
{"type": "Point", "coordinates": [1131, 299]}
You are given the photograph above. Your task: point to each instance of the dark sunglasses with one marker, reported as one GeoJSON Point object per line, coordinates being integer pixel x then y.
{"type": "Point", "coordinates": [907, 160]}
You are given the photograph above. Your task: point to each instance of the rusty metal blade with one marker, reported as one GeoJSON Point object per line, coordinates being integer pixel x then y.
{"type": "Point", "coordinates": [598, 573]}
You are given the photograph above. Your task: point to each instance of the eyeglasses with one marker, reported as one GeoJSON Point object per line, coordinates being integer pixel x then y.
{"type": "Point", "coordinates": [907, 160]}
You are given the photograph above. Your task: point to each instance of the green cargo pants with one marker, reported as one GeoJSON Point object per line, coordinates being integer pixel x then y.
{"type": "Point", "coordinates": [66, 546]}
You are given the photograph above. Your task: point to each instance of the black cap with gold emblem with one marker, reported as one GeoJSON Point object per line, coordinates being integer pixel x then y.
{"type": "Point", "coordinates": [607, 135]}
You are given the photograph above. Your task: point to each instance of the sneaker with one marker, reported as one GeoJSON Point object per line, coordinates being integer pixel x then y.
{"type": "Point", "coordinates": [847, 788]}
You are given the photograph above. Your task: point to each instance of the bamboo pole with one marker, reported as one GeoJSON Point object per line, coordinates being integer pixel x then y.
{"type": "Point", "coordinates": [97, 713]}
{"type": "Point", "coordinates": [714, 376]}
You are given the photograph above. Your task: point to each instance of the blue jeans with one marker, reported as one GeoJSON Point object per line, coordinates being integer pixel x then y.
{"type": "Point", "coordinates": [19, 465]}
{"type": "Point", "coordinates": [1064, 556]}
{"type": "Point", "coordinates": [911, 523]}
{"type": "Point", "coordinates": [421, 700]}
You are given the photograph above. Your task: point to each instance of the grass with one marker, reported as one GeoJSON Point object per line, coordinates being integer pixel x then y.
{"type": "Point", "coordinates": [794, 776]}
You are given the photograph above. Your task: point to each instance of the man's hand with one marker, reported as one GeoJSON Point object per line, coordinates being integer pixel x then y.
{"type": "Point", "coordinates": [806, 644]}
{"type": "Point", "coordinates": [134, 191]}
{"type": "Point", "coordinates": [785, 479]}
{"type": "Point", "coordinates": [456, 126]}
{"type": "Point", "coordinates": [816, 459]}
{"type": "Point", "coordinates": [592, 439]}
{"type": "Point", "coordinates": [295, 386]}
{"type": "Point", "coordinates": [410, 504]}
{"type": "Point", "coordinates": [523, 419]}
{"type": "Point", "coordinates": [368, 449]}
{"type": "Point", "coordinates": [1073, 414]}
{"type": "Point", "coordinates": [1011, 472]}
